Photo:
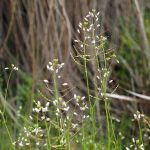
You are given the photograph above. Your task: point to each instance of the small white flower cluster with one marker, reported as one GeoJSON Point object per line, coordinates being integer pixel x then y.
{"type": "Point", "coordinates": [41, 111]}
{"type": "Point", "coordinates": [36, 131]}
{"type": "Point", "coordinates": [26, 139]}
{"type": "Point", "coordinates": [68, 116]}
{"type": "Point", "coordinates": [13, 67]}
{"type": "Point", "coordinates": [106, 72]}
{"type": "Point", "coordinates": [19, 111]}
{"type": "Point", "coordinates": [90, 28]}
{"type": "Point", "coordinates": [138, 116]}
{"type": "Point", "coordinates": [103, 74]}
{"type": "Point", "coordinates": [81, 105]}
{"type": "Point", "coordinates": [135, 145]}
{"type": "Point", "coordinates": [64, 84]}
{"type": "Point", "coordinates": [116, 119]}
{"type": "Point", "coordinates": [86, 25]}
{"type": "Point", "coordinates": [54, 66]}
{"type": "Point", "coordinates": [73, 114]}
{"type": "Point", "coordinates": [147, 134]}
{"type": "Point", "coordinates": [122, 137]}
{"type": "Point", "coordinates": [103, 38]}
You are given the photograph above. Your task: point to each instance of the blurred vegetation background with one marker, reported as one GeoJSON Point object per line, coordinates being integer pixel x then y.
{"type": "Point", "coordinates": [33, 32]}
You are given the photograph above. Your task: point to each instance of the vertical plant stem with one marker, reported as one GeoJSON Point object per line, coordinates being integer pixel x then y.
{"type": "Point", "coordinates": [140, 130]}
{"type": "Point", "coordinates": [6, 91]}
{"type": "Point", "coordinates": [86, 73]}
{"type": "Point", "coordinates": [49, 139]}
{"type": "Point", "coordinates": [8, 132]}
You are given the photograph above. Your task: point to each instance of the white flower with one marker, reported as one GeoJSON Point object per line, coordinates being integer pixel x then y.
{"type": "Point", "coordinates": [75, 40]}
{"type": "Point", "coordinates": [45, 81]}
{"type": "Point", "coordinates": [39, 103]}
{"type": "Point", "coordinates": [82, 98]}
{"type": "Point", "coordinates": [91, 25]}
{"type": "Point", "coordinates": [55, 102]}
{"type": "Point", "coordinates": [81, 45]}
{"type": "Point", "coordinates": [80, 25]}
{"type": "Point", "coordinates": [98, 77]}
{"type": "Point", "coordinates": [133, 140]}
{"type": "Point", "coordinates": [30, 117]}
{"type": "Point", "coordinates": [75, 113]}
{"type": "Point", "coordinates": [87, 16]}
{"type": "Point", "coordinates": [82, 108]}
{"type": "Point", "coordinates": [50, 68]}
{"type": "Point", "coordinates": [91, 14]}
{"type": "Point", "coordinates": [12, 65]}
{"type": "Point", "coordinates": [57, 70]}
{"type": "Point", "coordinates": [74, 125]}
{"type": "Point", "coordinates": [84, 116]}
{"type": "Point", "coordinates": [98, 13]}
{"type": "Point", "coordinates": [13, 143]}
{"type": "Point", "coordinates": [37, 110]}
{"type": "Point", "coordinates": [21, 144]}
{"type": "Point", "coordinates": [47, 119]}
{"type": "Point", "coordinates": [103, 38]}
{"type": "Point", "coordinates": [43, 117]}
{"type": "Point", "coordinates": [87, 116]}
{"type": "Point", "coordinates": [74, 96]}
{"type": "Point", "coordinates": [36, 130]}
{"type": "Point", "coordinates": [64, 84]}
{"type": "Point", "coordinates": [44, 109]}
{"type": "Point", "coordinates": [66, 109]}
{"type": "Point", "coordinates": [59, 77]}
{"type": "Point", "coordinates": [85, 19]}
{"type": "Point", "coordinates": [64, 103]}
{"type": "Point", "coordinates": [142, 147]}
{"type": "Point", "coordinates": [98, 25]}
{"type": "Point", "coordinates": [110, 81]}
{"type": "Point", "coordinates": [62, 64]}
{"type": "Point", "coordinates": [78, 30]}
{"type": "Point", "coordinates": [50, 63]}
{"type": "Point", "coordinates": [57, 110]}
{"type": "Point", "coordinates": [15, 68]}
{"type": "Point", "coordinates": [93, 41]}
{"type": "Point", "coordinates": [47, 104]}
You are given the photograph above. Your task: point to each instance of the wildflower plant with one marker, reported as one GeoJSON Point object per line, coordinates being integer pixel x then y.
{"type": "Point", "coordinates": [59, 122]}
{"type": "Point", "coordinates": [143, 123]}
{"type": "Point", "coordinates": [93, 58]}
{"type": "Point", "coordinates": [53, 121]}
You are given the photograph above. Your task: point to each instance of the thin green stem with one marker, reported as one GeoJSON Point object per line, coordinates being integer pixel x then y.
{"type": "Point", "coordinates": [6, 91]}
{"type": "Point", "coordinates": [8, 132]}
{"type": "Point", "coordinates": [140, 130]}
